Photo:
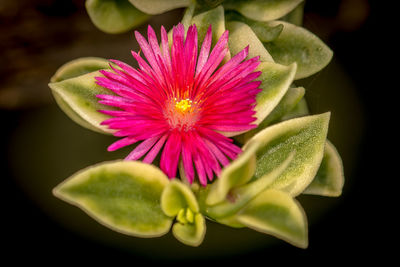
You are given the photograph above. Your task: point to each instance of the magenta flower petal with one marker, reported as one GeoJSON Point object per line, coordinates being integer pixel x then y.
{"type": "Point", "coordinates": [179, 100]}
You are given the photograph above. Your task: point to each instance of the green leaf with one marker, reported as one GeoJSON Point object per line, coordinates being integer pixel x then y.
{"type": "Point", "coordinates": [155, 7]}
{"type": "Point", "coordinates": [239, 196]}
{"type": "Point", "coordinates": [287, 103]}
{"type": "Point", "coordinates": [122, 195]}
{"type": "Point", "coordinates": [296, 44]}
{"type": "Point", "coordinates": [263, 10]}
{"type": "Point", "coordinates": [295, 16]}
{"type": "Point", "coordinates": [78, 67]}
{"type": "Point", "coordinates": [330, 176]}
{"type": "Point", "coordinates": [276, 80]}
{"type": "Point", "coordinates": [178, 196]}
{"type": "Point", "coordinates": [240, 36]}
{"type": "Point", "coordinates": [306, 136]}
{"type": "Point", "coordinates": [276, 213]}
{"type": "Point", "coordinates": [235, 174]}
{"type": "Point", "coordinates": [214, 17]}
{"type": "Point", "coordinates": [114, 16]}
{"type": "Point", "coordinates": [191, 234]}
{"type": "Point", "coordinates": [77, 97]}
{"type": "Point", "coordinates": [300, 110]}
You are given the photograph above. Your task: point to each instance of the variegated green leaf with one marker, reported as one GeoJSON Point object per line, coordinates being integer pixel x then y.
{"type": "Point", "coordinates": [276, 213]}
{"type": "Point", "coordinates": [191, 234]}
{"type": "Point", "coordinates": [235, 174]}
{"type": "Point", "coordinates": [122, 195]}
{"type": "Point", "coordinates": [295, 16]}
{"type": "Point", "coordinates": [287, 103]}
{"type": "Point", "coordinates": [176, 197]}
{"type": "Point", "coordinates": [296, 44]}
{"type": "Point", "coordinates": [114, 16]}
{"type": "Point", "coordinates": [300, 110]}
{"type": "Point", "coordinates": [330, 176]}
{"type": "Point", "coordinates": [77, 97]}
{"type": "Point", "coordinates": [155, 7]}
{"type": "Point", "coordinates": [239, 196]}
{"type": "Point", "coordinates": [240, 36]}
{"type": "Point", "coordinates": [306, 136]}
{"type": "Point", "coordinates": [263, 10]}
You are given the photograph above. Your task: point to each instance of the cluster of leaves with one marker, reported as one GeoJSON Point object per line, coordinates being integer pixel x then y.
{"type": "Point", "coordinates": [287, 155]}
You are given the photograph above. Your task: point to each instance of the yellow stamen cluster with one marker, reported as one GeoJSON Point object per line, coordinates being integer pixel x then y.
{"type": "Point", "coordinates": [183, 105]}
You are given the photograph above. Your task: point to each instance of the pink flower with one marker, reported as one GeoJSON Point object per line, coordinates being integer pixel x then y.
{"type": "Point", "coordinates": [181, 102]}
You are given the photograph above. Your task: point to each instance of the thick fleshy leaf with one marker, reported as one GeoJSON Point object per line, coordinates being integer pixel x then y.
{"type": "Point", "coordinates": [295, 16]}
{"type": "Point", "coordinates": [176, 197]}
{"type": "Point", "coordinates": [122, 195]}
{"type": "Point", "coordinates": [78, 67]}
{"type": "Point", "coordinates": [155, 7]}
{"type": "Point", "coordinates": [240, 36]}
{"type": "Point", "coordinates": [240, 196]}
{"type": "Point", "coordinates": [114, 16]}
{"type": "Point", "coordinates": [330, 176]}
{"type": "Point", "coordinates": [276, 213]}
{"type": "Point", "coordinates": [77, 97]}
{"type": "Point", "coordinates": [235, 174]}
{"type": "Point", "coordinates": [276, 80]}
{"type": "Point", "coordinates": [287, 103]}
{"type": "Point", "coordinates": [263, 10]}
{"type": "Point", "coordinates": [300, 110]}
{"type": "Point", "coordinates": [296, 44]}
{"type": "Point", "coordinates": [191, 234]}
{"type": "Point", "coordinates": [305, 136]}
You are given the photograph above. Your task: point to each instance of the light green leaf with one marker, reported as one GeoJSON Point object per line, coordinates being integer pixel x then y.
{"type": "Point", "coordinates": [300, 110]}
{"type": "Point", "coordinates": [122, 195]}
{"type": "Point", "coordinates": [235, 174]}
{"type": "Point", "coordinates": [277, 213]}
{"type": "Point", "coordinates": [287, 103]}
{"type": "Point", "coordinates": [191, 234]}
{"type": "Point", "coordinates": [155, 7]}
{"type": "Point", "coordinates": [214, 17]}
{"type": "Point", "coordinates": [114, 16]}
{"type": "Point", "coordinates": [78, 67]}
{"type": "Point", "coordinates": [77, 97]}
{"type": "Point", "coordinates": [295, 16]}
{"type": "Point", "coordinates": [263, 10]}
{"type": "Point", "coordinates": [296, 44]}
{"type": "Point", "coordinates": [276, 80]}
{"type": "Point", "coordinates": [240, 36]}
{"type": "Point", "coordinates": [230, 221]}
{"type": "Point", "coordinates": [306, 136]}
{"type": "Point", "coordinates": [176, 197]}
{"type": "Point", "coordinates": [240, 196]}
{"type": "Point", "coordinates": [329, 180]}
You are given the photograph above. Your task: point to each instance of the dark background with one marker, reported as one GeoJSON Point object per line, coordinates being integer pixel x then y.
{"type": "Point", "coordinates": [36, 37]}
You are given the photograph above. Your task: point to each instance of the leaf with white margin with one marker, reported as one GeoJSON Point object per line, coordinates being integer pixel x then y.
{"type": "Point", "coordinates": [239, 196]}
{"type": "Point", "coordinates": [77, 97]}
{"type": "Point", "coordinates": [262, 10]}
{"type": "Point", "coordinates": [287, 103]}
{"type": "Point", "coordinates": [122, 195]}
{"type": "Point", "coordinates": [240, 36]}
{"type": "Point", "coordinates": [296, 44]}
{"type": "Point", "coordinates": [275, 81]}
{"type": "Point", "coordinates": [239, 172]}
{"type": "Point", "coordinates": [155, 7]}
{"type": "Point", "coordinates": [329, 180]}
{"type": "Point", "coordinates": [177, 200]}
{"type": "Point", "coordinates": [214, 17]}
{"type": "Point", "coordinates": [306, 136]}
{"type": "Point", "coordinates": [114, 16]}
{"type": "Point", "coordinates": [177, 196]}
{"type": "Point", "coordinates": [276, 213]}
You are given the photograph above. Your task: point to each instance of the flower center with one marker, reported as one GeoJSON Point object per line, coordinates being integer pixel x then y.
{"type": "Point", "coordinates": [183, 106]}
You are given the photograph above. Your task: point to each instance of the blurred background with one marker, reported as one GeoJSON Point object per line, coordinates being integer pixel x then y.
{"type": "Point", "coordinates": [41, 146]}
